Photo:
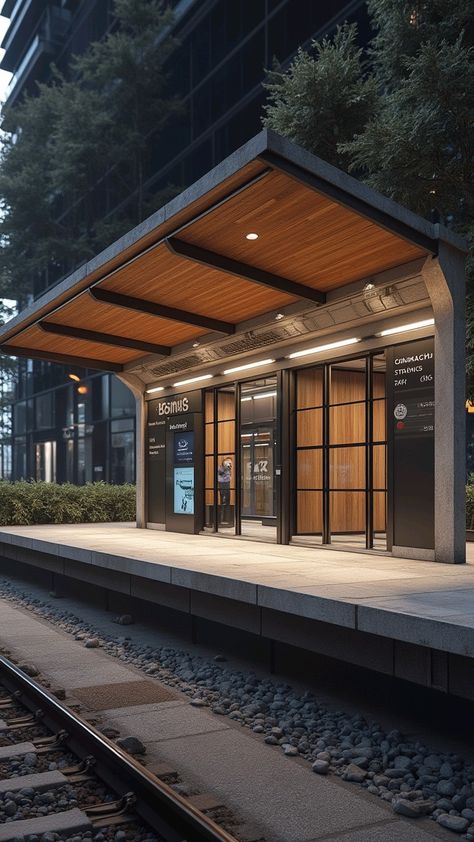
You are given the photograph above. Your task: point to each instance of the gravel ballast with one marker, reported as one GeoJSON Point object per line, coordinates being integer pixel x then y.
{"type": "Point", "coordinates": [412, 777]}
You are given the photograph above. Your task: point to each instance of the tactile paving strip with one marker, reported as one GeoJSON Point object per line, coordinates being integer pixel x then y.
{"type": "Point", "coordinates": [122, 695]}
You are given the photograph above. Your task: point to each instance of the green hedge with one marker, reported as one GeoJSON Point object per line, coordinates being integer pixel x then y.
{"type": "Point", "coordinates": [470, 502]}
{"type": "Point", "coordinates": [26, 503]}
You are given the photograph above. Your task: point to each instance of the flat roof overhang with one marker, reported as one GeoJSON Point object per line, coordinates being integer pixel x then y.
{"type": "Point", "coordinates": [189, 271]}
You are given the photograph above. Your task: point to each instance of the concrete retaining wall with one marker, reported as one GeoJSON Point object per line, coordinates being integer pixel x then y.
{"type": "Point", "coordinates": [265, 630]}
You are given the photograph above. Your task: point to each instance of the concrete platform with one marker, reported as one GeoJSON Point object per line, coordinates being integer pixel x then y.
{"type": "Point", "coordinates": [330, 601]}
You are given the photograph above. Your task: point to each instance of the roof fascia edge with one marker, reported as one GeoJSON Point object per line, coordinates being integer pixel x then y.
{"type": "Point", "coordinates": [304, 160]}
{"type": "Point", "coordinates": [77, 281]}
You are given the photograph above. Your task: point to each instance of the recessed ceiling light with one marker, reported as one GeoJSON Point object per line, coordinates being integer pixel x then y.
{"type": "Point", "coordinates": [155, 389]}
{"type": "Point", "coordinates": [279, 316]}
{"type": "Point", "coordinates": [413, 326]}
{"type": "Point", "coordinates": [251, 236]}
{"type": "Point", "coordinates": [196, 344]}
{"type": "Point", "coordinates": [74, 377]}
{"type": "Point", "coordinates": [193, 379]}
{"type": "Point", "coordinates": [248, 365]}
{"type": "Point", "coordinates": [319, 348]}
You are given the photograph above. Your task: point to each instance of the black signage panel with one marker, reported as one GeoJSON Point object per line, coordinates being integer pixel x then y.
{"type": "Point", "coordinates": [174, 413]}
{"type": "Point", "coordinates": [410, 374]}
{"type": "Point", "coordinates": [156, 470]}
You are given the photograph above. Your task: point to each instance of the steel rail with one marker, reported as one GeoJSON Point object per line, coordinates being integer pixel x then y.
{"type": "Point", "coordinates": [167, 812]}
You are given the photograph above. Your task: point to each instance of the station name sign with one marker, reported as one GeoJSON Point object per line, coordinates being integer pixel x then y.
{"type": "Point", "coordinates": [174, 407]}
{"type": "Point", "coordinates": [161, 409]}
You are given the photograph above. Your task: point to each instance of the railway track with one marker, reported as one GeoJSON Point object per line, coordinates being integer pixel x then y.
{"type": "Point", "coordinates": [34, 724]}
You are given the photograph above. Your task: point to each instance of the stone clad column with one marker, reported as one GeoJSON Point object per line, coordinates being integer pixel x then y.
{"type": "Point", "coordinates": [137, 388]}
{"type": "Point", "coordinates": [445, 282]}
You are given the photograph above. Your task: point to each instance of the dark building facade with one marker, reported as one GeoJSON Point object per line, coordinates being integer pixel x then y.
{"type": "Point", "coordinates": [78, 425]}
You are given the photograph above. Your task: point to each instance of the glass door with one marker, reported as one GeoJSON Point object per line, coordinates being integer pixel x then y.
{"type": "Point", "coordinates": [257, 462]}
{"type": "Point", "coordinates": [258, 443]}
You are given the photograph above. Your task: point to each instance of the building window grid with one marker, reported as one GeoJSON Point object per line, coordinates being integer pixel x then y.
{"type": "Point", "coordinates": [368, 443]}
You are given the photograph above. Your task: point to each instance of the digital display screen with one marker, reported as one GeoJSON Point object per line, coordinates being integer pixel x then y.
{"type": "Point", "coordinates": [183, 491]}
{"type": "Point", "coordinates": [183, 447]}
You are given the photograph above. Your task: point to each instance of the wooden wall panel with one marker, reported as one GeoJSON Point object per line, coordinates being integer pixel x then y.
{"type": "Point", "coordinates": [208, 407]}
{"type": "Point", "coordinates": [225, 406]}
{"type": "Point", "coordinates": [209, 471]}
{"type": "Point", "coordinates": [309, 469]}
{"type": "Point", "coordinates": [226, 437]}
{"type": "Point", "coordinates": [209, 438]}
{"type": "Point", "coordinates": [346, 385]}
{"type": "Point", "coordinates": [347, 423]}
{"type": "Point", "coordinates": [309, 427]}
{"type": "Point", "coordinates": [347, 511]}
{"type": "Point", "coordinates": [378, 384]}
{"type": "Point", "coordinates": [380, 511]}
{"type": "Point", "coordinates": [379, 410]}
{"type": "Point", "coordinates": [347, 467]}
{"type": "Point", "coordinates": [309, 507]}
{"type": "Point", "coordinates": [309, 387]}
{"type": "Point", "coordinates": [379, 472]}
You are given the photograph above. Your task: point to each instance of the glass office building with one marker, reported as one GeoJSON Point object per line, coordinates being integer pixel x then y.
{"type": "Point", "coordinates": [81, 430]}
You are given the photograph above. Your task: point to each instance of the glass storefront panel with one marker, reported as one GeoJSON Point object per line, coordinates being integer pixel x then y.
{"type": "Point", "coordinates": [122, 457]}
{"type": "Point", "coordinates": [341, 453]}
{"type": "Point", "coordinates": [45, 461]}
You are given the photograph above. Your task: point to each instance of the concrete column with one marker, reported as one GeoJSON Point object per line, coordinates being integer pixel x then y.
{"type": "Point", "coordinates": [445, 282]}
{"type": "Point", "coordinates": [137, 388]}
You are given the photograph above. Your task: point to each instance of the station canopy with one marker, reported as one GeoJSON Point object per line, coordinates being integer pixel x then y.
{"type": "Point", "coordinates": [192, 270]}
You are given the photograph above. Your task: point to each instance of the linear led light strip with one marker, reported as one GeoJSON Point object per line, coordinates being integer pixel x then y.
{"type": "Point", "coordinates": [330, 346]}
{"type": "Point", "coordinates": [413, 326]}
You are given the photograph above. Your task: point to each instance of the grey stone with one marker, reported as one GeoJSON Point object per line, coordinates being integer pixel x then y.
{"type": "Point", "coordinates": [354, 774]}
{"type": "Point", "coordinates": [132, 745]}
{"type": "Point", "coordinates": [432, 761]}
{"type": "Point", "coordinates": [321, 767]}
{"type": "Point", "coordinates": [456, 823]}
{"type": "Point", "coordinates": [410, 809]}
{"type": "Point", "coordinates": [289, 750]}
{"type": "Point", "coordinates": [402, 762]}
{"type": "Point", "coordinates": [125, 620]}
{"type": "Point", "coordinates": [446, 788]}
{"type": "Point", "coordinates": [92, 643]}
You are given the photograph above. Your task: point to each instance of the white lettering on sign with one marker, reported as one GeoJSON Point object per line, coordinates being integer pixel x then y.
{"type": "Point", "coordinates": [416, 358]}
{"type": "Point", "coordinates": [173, 407]}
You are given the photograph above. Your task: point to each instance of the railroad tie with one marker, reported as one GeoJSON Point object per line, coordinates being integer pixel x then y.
{"type": "Point", "coordinates": [71, 821]}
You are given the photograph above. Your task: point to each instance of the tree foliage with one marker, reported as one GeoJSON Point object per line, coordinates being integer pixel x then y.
{"type": "Point", "coordinates": [77, 155]}
{"type": "Point", "coordinates": [413, 139]}
{"type": "Point", "coordinates": [323, 98]}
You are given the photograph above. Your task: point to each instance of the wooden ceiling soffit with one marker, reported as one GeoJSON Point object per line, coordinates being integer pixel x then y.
{"type": "Point", "coordinates": [357, 204]}
{"type": "Point", "coordinates": [105, 338]}
{"type": "Point", "coordinates": [243, 270]}
{"type": "Point", "coordinates": [153, 308]}
{"type": "Point", "coordinates": [65, 359]}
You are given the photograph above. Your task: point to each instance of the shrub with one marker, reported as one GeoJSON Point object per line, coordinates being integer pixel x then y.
{"type": "Point", "coordinates": [26, 503]}
{"type": "Point", "coordinates": [470, 502]}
